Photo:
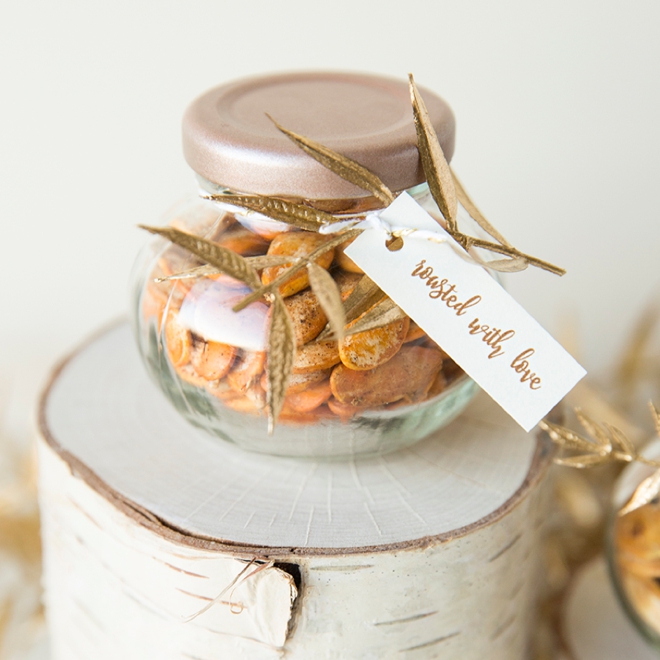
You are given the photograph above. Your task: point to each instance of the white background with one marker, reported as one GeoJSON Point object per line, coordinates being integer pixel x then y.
{"type": "Point", "coordinates": [557, 104]}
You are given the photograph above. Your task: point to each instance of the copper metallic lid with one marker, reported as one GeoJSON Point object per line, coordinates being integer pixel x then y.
{"type": "Point", "coordinates": [229, 140]}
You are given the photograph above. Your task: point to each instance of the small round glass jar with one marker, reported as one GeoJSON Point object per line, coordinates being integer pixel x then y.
{"type": "Point", "coordinates": [379, 390]}
{"type": "Point", "coordinates": [633, 549]}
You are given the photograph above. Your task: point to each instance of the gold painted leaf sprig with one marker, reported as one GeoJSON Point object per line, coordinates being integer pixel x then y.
{"type": "Point", "coordinates": [367, 299]}
{"type": "Point", "coordinates": [605, 444]}
{"type": "Point", "coordinates": [447, 191]}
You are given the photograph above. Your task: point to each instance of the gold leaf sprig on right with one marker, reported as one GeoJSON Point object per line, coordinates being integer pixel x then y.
{"type": "Point", "coordinates": [604, 444]}
{"type": "Point", "coordinates": [447, 191]}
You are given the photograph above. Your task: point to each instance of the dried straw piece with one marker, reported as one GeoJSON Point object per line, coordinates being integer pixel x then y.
{"type": "Point", "coordinates": [236, 608]}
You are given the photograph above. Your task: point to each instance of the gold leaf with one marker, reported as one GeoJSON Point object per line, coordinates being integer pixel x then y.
{"type": "Point", "coordinates": [621, 441]}
{"type": "Point", "coordinates": [646, 492]}
{"type": "Point", "coordinates": [281, 354]}
{"type": "Point", "coordinates": [301, 263]}
{"type": "Point", "coordinates": [226, 261]}
{"type": "Point", "coordinates": [345, 167]}
{"type": "Point", "coordinates": [441, 181]}
{"type": "Point", "coordinates": [621, 456]}
{"type": "Point", "coordinates": [435, 165]}
{"type": "Point", "coordinates": [594, 430]}
{"type": "Point", "coordinates": [567, 438]}
{"type": "Point", "coordinates": [258, 263]}
{"type": "Point", "coordinates": [474, 212]}
{"type": "Point", "coordinates": [364, 296]}
{"type": "Point", "coordinates": [298, 215]}
{"type": "Point", "coordinates": [441, 184]}
{"type": "Point", "coordinates": [515, 265]}
{"type": "Point", "coordinates": [268, 260]}
{"type": "Point", "coordinates": [512, 265]}
{"type": "Point", "coordinates": [585, 461]}
{"type": "Point", "coordinates": [328, 294]}
{"type": "Point", "coordinates": [384, 313]}
{"type": "Point", "coordinates": [469, 241]}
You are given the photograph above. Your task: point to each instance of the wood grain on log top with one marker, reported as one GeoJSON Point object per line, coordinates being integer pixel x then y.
{"type": "Point", "coordinates": [116, 430]}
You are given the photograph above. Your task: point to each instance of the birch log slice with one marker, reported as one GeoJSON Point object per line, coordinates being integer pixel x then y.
{"type": "Point", "coordinates": [162, 542]}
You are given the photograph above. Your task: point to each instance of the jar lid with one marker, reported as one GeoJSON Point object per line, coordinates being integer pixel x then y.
{"type": "Point", "coordinates": [229, 140]}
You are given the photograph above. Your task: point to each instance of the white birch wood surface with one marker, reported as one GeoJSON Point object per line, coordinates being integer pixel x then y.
{"type": "Point", "coordinates": [104, 411]}
{"type": "Point", "coordinates": [430, 552]}
{"type": "Point", "coordinates": [117, 590]}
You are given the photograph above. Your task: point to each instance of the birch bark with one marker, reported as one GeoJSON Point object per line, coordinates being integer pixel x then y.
{"type": "Point", "coordinates": [427, 553]}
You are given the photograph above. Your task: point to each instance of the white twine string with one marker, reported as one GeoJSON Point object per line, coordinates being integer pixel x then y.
{"type": "Point", "coordinates": [370, 221]}
{"type": "Point", "coordinates": [374, 222]}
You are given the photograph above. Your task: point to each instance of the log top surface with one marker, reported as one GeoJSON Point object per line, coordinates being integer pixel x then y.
{"type": "Point", "coordinates": [117, 430]}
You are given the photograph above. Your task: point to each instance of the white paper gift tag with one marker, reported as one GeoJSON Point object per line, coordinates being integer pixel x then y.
{"type": "Point", "coordinates": [464, 310]}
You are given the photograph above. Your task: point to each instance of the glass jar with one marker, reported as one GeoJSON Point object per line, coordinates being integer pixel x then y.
{"type": "Point", "coordinates": [378, 391]}
{"type": "Point", "coordinates": [633, 550]}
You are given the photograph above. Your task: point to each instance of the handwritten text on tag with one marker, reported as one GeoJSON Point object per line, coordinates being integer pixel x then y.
{"type": "Point", "coordinates": [462, 308]}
